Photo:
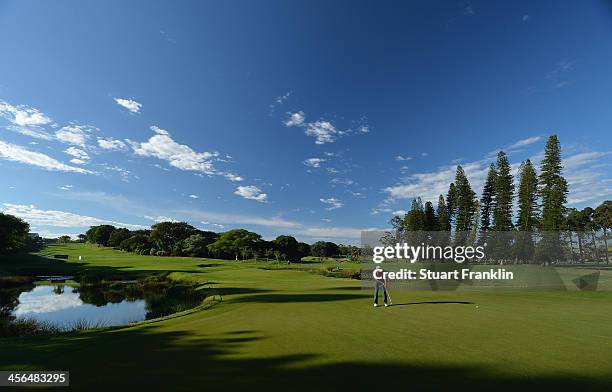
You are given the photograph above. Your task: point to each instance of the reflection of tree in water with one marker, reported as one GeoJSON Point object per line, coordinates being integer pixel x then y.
{"type": "Point", "coordinates": [160, 300]}
{"type": "Point", "coordinates": [9, 298]}
{"type": "Point", "coordinates": [58, 289]}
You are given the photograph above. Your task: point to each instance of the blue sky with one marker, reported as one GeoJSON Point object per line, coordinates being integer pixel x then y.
{"type": "Point", "coordinates": [316, 119]}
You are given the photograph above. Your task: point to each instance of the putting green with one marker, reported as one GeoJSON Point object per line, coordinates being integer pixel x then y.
{"type": "Point", "coordinates": [291, 329]}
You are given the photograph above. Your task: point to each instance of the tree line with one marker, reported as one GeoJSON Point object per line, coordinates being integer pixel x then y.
{"type": "Point", "coordinates": [15, 236]}
{"type": "Point", "coordinates": [182, 239]}
{"type": "Point", "coordinates": [541, 216]}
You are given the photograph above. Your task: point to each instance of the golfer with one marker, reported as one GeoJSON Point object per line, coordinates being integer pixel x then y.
{"type": "Point", "coordinates": [380, 282]}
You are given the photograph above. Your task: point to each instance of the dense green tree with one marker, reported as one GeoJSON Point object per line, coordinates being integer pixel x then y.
{"type": "Point", "coordinates": [527, 197]}
{"type": "Point", "coordinates": [324, 249]}
{"type": "Point", "coordinates": [451, 204]}
{"type": "Point", "coordinates": [196, 245]}
{"type": "Point", "coordinates": [99, 234]}
{"type": "Point", "coordinates": [602, 216]}
{"type": "Point", "coordinates": [288, 245]}
{"type": "Point", "coordinates": [553, 190]}
{"type": "Point", "coordinates": [139, 243]}
{"type": "Point", "coordinates": [553, 187]}
{"type": "Point", "coordinates": [487, 200]}
{"type": "Point", "coordinates": [233, 242]}
{"type": "Point", "coordinates": [117, 236]}
{"type": "Point", "coordinates": [303, 249]}
{"type": "Point", "coordinates": [415, 218]}
{"type": "Point", "coordinates": [168, 235]}
{"type": "Point", "coordinates": [527, 218]}
{"type": "Point", "coordinates": [464, 203]}
{"type": "Point", "coordinates": [430, 222]}
{"type": "Point", "coordinates": [63, 239]}
{"type": "Point", "coordinates": [13, 233]}
{"type": "Point", "coordinates": [504, 194]}
{"type": "Point", "coordinates": [443, 216]}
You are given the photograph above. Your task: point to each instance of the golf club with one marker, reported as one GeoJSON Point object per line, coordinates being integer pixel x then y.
{"type": "Point", "coordinates": [388, 295]}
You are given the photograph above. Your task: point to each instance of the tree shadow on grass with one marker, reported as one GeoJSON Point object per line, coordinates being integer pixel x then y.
{"type": "Point", "coordinates": [146, 358]}
{"type": "Point", "coordinates": [288, 298]}
{"type": "Point", "coordinates": [435, 303]}
{"type": "Point", "coordinates": [37, 265]}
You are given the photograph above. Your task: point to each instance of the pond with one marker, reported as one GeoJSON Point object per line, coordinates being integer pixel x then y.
{"type": "Point", "coordinates": [62, 306]}
{"type": "Point", "coordinates": [72, 306]}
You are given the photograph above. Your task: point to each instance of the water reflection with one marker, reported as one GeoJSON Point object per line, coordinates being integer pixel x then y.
{"type": "Point", "coordinates": [64, 307]}
{"type": "Point", "coordinates": [106, 304]}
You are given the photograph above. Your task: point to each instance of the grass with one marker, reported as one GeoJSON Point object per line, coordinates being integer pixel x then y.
{"type": "Point", "coordinates": [296, 330]}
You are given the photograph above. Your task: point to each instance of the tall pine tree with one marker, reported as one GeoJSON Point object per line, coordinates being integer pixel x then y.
{"type": "Point", "coordinates": [464, 203]}
{"type": "Point", "coordinates": [487, 201]}
{"type": "Point", "coordinates": [553, 190]}
{"type": "Point", "coordinates": [451, 204]}
{"type": "Point", "coordinates": [443, 217]}
{"type": "Point", "coordinates": [527, 197]}
{"type": "Point", "coordinates": [504, 193]}
{"type": "Point", "coordinates": [553, 187]}
{"type": "Point", "coordinates": [431, 220]}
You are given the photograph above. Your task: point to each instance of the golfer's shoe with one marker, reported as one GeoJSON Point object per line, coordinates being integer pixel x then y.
{"type": "Point", "coordinates": [375, 305]}
{"type": "Point", "coordinates": [386, 305]}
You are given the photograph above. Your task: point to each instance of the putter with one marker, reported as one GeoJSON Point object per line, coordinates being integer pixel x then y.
{"type": "Point", "coordinates": [388, 295]}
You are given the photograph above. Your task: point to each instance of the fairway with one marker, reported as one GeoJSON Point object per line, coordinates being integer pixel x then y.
{"type": "Point", "coordinates": [292, 329]}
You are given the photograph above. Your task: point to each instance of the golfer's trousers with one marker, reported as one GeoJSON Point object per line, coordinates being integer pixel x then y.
{"type": "Point", "coordinates": [378, 285]}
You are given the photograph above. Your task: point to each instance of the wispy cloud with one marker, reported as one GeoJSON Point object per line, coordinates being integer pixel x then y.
{"type": "Point", "coordinates": [525, 142]}
{"type": "Point", "coordinates": [402, 158]}
{"type": "Point", "coordinates": [80, 157]}
{"type": "Point", "coordinates": [322, 130]}
{"type": "Point", "coordinates": [75, 134]}
{"type": "Point", "coordinates": [129, 104]}
{"type": "Point", "coordinates": [23, 115]}
{"type": "Point", "coordinates": [251, 192]}
{"type": "Point", "coordinates": [279, 101]}
{"type": "Point", "coordinates": [20, 154]}
{"type": "Point", "coordinates": [181, 156]}
{"type": "Point", "coordinates": [36, 216]}
{"type": "Point", "coordinates": [111, 144]}
{"type": "Point", "coordinates": [314, 162]}
{"type": "Point", "coordinates": [332, 202]}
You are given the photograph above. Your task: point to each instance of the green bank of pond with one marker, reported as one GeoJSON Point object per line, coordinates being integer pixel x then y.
{"type": "Point", "coordinates": [53, 304]}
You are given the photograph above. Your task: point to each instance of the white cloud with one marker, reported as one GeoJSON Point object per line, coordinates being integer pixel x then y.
{"type": "Point", "coordinates": [364, 129]}
{"type": "Point", "coordinates": [525, 142]}
{"type": "Point", "coordinates": [160, 218]}
{"type": "Point", "coordinates": [66, 187]}
{"type": "Point", "coordinates": [36, 216]}
{"type": "Point", "coordinates": [525, 18]}
{"type": "Point", "coordinates": [232, 177]}
{"type": "Point", "coordinates": [31, 131]}
{"type": "Point", "coordinates": [80, 156]}
{"type": "Point", "coordinates": [332, 202]}
{"type": "Point", "coordinates": [111, 144]}
{"type": "Point", "coordinates": [194, 196]}
{"type": "Point", "coordinates": [23, 115]}
{"type": "Point", "coordinates": [424, 154]}
{"type": "Point", "coordinates": [399, 212]}
{"type": "Point", "coordinates": [251, 192]}
{"type": "Point", "coordinates": [314, 162]}
{"type": "Point", "coordinates": [17, 153]}
{"type": "Point", "coordinates": [129, 104]}
{"type": "Point", "coordinates": [295, 119]}
{"type": "Point", "coordinates": [181, 156]}
{"type": "Point", "coordinates": [75, 134]}
{"type": "Point", "coordinates": [323, 131]}
{"type": "Point", "coordinates": [402, 158]}
{"type": "Point", "coordinates": [238, 219]}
